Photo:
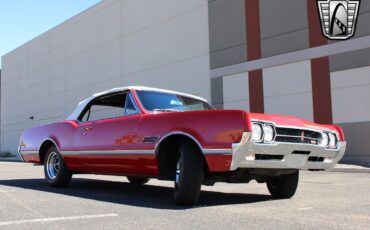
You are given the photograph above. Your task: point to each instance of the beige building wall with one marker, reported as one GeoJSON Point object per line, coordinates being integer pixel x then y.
{"type": "Point", "coordinates": [288, 90]}
{"type": "Point", "coordinates": [115, 43]}
{"type": "Point", "coordinates": [236, 91]}
{"type": "Point", "coordinates": [351, 110]}
{"type": "Point", "coordinates": [351, 94]}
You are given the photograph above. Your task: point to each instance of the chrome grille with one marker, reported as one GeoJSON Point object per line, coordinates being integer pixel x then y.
{"type": "Point", "coordinates": [302, 136]}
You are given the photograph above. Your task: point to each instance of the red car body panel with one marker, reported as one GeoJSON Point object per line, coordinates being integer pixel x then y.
{"type": "Point", "coordinates": [127, 133]}
{"type": "Point", "coordinates": [214, 130]}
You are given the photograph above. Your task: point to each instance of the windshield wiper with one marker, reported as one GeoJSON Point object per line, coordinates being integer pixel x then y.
{"type": "Point", "coordinates": [166, 110]}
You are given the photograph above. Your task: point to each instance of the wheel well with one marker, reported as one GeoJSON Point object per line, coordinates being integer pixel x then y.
{"type": "Point", "coordinates": [167, 155]}
{"type": "Point", "coordinates": [44, 148]}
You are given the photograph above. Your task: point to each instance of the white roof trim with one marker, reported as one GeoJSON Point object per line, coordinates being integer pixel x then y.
{"type": "Point", "coordinates": [81, 105]}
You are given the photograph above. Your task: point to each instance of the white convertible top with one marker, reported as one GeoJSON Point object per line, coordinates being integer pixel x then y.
{"type": "Point", "coordinates": [81, 105]}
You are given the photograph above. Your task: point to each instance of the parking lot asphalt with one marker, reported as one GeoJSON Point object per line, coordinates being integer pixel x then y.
{"type": "Point", "coordinates": [324, 200]}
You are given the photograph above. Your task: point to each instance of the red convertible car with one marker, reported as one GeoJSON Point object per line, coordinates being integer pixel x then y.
{"type": "Point", "coordinates": [144, 133]}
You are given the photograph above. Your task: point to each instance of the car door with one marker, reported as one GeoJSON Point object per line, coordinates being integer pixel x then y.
{"type": "Point", "coordinates": [109, 139]}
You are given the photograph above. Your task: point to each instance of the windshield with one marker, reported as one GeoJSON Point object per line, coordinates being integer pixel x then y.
{"type": "Point", "coordinates": [166, 102]}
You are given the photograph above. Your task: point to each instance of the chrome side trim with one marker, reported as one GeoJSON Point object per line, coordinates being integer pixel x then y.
{"type": "Point", "coordinates": [150, 139]}
{"type": "Point", "coordinates": [19, 153]}
{"type": "Point", "coordinates": [217, 151]}
{"type": "Point", "coordinates": [29, 152]}
{"type": "Point", "coordinates": [132, 152]}
{"type": "Point", "coordinates": [176, 133]}
{"type": "Point", "coordinates": [107, 152]}
{"type": "Point", "coordinates": [205, 151]}
{"type": "Point", "coordinates": [48, 139]}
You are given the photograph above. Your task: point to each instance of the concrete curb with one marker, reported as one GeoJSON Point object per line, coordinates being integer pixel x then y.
{"type": "Point", "coordinates": [10, 159]}
{"type": "Point", "coordinates": [351, 170]}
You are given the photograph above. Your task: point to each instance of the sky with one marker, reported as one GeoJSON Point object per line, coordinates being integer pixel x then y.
{"type": "Point", "coordinates": [23, 20]}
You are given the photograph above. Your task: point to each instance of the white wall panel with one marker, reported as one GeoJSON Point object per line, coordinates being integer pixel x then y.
{"type": "Point", "coordinates": [236, 91]}
{"type": "Point", "coordinates": [140, 14]}
{"type": "Point", "coordinates": [38, 46]}
{"type": "Point", "coordinates": [177, 39]}
{"type": "Point", "coordinates": [350, 95]}
{"type": "Point", "coordinates": [57, 70]}
{"type": "Point", "coordinates": [288, 90]}
{"type": "Point", "coordinates": [94, 66]}
{"type": "Point", "coordinates": [57, 37]}
{"type": "Point", "coordinates": [191, 76]}
{"type": "Point", "coordinates": [94, 30]}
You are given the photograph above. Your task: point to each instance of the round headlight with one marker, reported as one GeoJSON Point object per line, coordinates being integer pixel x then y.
{"type": "Point", "coordinates": [257, 132]}
{"type": "Point", "coordinates": [332, 140]}
{"type": "Point", "coordinates": [325, 139]}
{"type": "Point", "coordinates": [268, 130]}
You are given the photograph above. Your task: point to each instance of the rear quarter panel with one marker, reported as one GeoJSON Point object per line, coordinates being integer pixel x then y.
{"type": "Point", "coordinates": [63, 134]}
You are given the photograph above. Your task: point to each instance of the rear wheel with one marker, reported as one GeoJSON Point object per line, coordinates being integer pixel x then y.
{"type": "Point", "coordinates": [283, 186]}
{"type": "Point", "coordinates": [56, 172]}
{"type": "Point", "coordinates": [189, 174]}
{"type": "Point", "coordinates": [138, 180]}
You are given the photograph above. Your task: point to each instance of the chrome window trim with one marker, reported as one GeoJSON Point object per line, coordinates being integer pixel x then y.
{"type": "Point", "coordinates": [173, 93]}
{"type": "Point", "coordinates": [129, 97]}
{"type": "Point", "coordinates": [129, 94]}
{"type": "Point", "coordinates": [82, 104]}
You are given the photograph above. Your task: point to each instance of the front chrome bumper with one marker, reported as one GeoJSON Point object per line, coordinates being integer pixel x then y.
{"type": "Point", "coordinates": [247, 147]}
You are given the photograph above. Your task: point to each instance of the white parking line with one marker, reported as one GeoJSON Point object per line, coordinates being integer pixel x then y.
{"type": "Point", "coordinates": [14, 222]}
{"type": "Point", "coordinates": [303, 209]}
{"type": "Point", "coordinates": [9, 190]}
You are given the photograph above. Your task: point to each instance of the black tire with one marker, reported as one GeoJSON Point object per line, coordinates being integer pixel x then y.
{"type": "Point", "coordinates": [58, 175]}
{"type": "Point", "coordinates": [138, 180]}
{"type": "Point", "coordinates": [189, 174]}
{"type": "Point", "coordinates": [283, 186]}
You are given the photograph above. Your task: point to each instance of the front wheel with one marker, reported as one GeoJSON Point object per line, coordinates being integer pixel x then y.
{"type": "Point", "coordinates": [283, 186]}
{"type": "Point", "coordinates": [189, 174]}
{"type": "Point", "coordinates": [56, 172]}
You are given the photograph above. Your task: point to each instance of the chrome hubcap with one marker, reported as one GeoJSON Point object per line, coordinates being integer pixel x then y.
{"type": "Point", "coordinates": [52, 165]}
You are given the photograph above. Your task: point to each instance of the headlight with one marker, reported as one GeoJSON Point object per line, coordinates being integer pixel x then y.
{"type": "Point", "coordinates": [325, 139]}
{"type": "Point", "coordinates": [332, 140]}
{"type": "Point", "coordinates": [269, 132]}
{"type": "Point", "coordinates": [257, 132]}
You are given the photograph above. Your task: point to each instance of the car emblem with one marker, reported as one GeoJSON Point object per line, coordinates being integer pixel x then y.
{"type": "Point", "coordinates": [338, 18]}
{"type": "Point", "coordinates": [302, 136]}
